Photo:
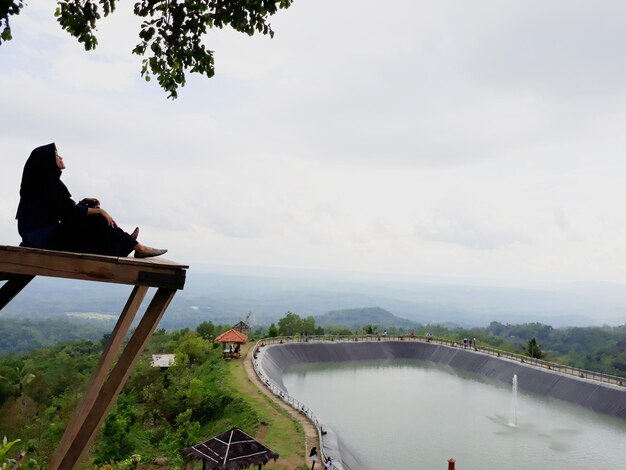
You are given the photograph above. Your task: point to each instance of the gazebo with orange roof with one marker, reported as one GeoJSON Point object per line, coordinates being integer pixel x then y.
{"type": "Point", "coordinates": [232, 340]}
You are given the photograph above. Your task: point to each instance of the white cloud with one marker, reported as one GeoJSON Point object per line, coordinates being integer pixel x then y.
{"type": "Point", "coordinates": [456, 139]}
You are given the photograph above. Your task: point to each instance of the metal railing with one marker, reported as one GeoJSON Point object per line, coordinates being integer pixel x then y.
{"type": "Point", "coordinates": [291, 401]}
{"type": "Point", "coordinates": [553, 366]}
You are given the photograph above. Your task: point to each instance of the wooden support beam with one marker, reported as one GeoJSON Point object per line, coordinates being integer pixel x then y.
{"type": "Point", "coordinates": [113, 385]}
{"type": "Point", "coordinates": [154, 272]}
{"type": "Point", "coordinates": [12, 287]}
{"type": "Point", "coordinates": [101, 372]}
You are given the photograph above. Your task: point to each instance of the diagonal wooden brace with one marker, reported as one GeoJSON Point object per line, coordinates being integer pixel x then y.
{"type": "Point", "coordinates": [14, 285]}
{"type": "Point", "coordinates": [103, 392]}
{"type": "Point", "coordinates": [102, 370]}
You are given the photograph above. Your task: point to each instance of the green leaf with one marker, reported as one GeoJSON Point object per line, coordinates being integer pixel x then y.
{"type": "Point", "coordinates": [6, 446]}
{"type": "Point", "coordinates": [171, 35]}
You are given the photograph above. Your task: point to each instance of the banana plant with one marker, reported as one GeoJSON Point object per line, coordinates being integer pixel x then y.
{"type": "Point", "coordinates": [4, 449]}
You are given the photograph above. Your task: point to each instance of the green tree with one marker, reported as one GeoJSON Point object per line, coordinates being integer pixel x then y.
{"type": "Point", "coordinates": [496, 328]}
{"type": "Point", "coordinates": [308, 325]}
{"type": "Point", "coordinates": [115, 443]}
{"type": "Point", "coordinates": [171, 32]}
{"type": "Point", "coordinates": [195, 348]}
{"type": "Point", "coordinates": [369, 329]}
{"type": "Point", "coordinates": [272, 332]}
{"type": "Point", "coordinates": [20, 379]}
{"type": "Point", "coordinates": [66, 373]}
{"type": "Point", "coordinates": [206, 329]}
{"type": "Point", "coordinates": [533, 349]}
{"type": "Point", "coordinates": [290, 324]}
{"type": "Point", "coordinates": [187, 431]}
{"type": "Point", "coordinates": [535, 330]}
{"type": "Point", "coordinates": [341, 331]}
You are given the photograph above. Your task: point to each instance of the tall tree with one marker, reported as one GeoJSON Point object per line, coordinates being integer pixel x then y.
{"type": "Point", "coordinates": [290, 324]}
{"type": "Point", "coordinates": [20, 380]}
{"type": "Point", "coordinates": [308, 325]}
{"type": "Point", "coordinates": [115, 443]}
{"type": "Point", "coordinates": [206, 329]}
{"type": "Point", "coordinates": [171, 32]}
{"type": "Point", "coordinates": [533, 349]}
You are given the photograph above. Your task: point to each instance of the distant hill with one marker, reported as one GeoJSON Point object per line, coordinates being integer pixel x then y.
{"type": "Point", "coordinates": [358, 317]}
{"type": "Point", "coordinates": [24, 335]}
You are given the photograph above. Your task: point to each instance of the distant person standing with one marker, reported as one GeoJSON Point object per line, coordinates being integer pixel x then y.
{"type": "Point", "coordinates": [313, 457]}
{"type": "Point", "coordinates": [328, 463]}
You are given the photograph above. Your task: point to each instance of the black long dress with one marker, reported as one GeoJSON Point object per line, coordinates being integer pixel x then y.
{"type": "Point", "coordinates": [48, 218]}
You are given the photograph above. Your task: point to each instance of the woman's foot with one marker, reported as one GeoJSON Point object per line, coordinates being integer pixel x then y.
{"type": "Point", "coordinates": [143, 251]}
{"type": "Point", "coordinates": [135, 233]}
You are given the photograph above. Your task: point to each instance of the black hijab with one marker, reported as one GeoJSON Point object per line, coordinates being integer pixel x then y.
{"type": "Point", "coordinates": [41, 182]}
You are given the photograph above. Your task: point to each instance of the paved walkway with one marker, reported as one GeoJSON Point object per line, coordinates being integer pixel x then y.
{"type": "Point", "coordinates": [310, 433]}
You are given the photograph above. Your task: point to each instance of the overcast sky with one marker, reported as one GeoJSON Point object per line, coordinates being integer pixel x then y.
{"type": "Point", "coordinates": [453, 140]}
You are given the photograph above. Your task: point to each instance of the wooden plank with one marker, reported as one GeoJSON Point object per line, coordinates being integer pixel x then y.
{"type": "Point", "coordinates": [36, 262]}
{"type": "Point", "coordinates": [100, 373]}
{"type": "Point", "coordinates": [12, 287]}
{"type": "Point", "coordinates": [158, 261]}
{"type": "Point", "coordinates": [112, 387]}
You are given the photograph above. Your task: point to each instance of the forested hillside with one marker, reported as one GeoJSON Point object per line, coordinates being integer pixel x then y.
{"type": "Point", "coordinates": [161, 411]}
{"type": "Point", "coordinates": [601, 349]}
{"type": "Point", "coordinates": [158, 413]}
{"type": "Point", "coordinates": [23, 335]}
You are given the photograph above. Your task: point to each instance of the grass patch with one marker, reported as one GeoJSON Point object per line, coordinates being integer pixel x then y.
{"type": "Point", "coordinates": [277, 429]}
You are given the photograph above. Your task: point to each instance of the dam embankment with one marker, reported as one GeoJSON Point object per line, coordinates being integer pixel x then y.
{"type": "Point", "coordinates": [603, 398]}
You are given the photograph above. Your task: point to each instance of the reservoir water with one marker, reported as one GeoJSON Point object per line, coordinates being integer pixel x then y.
{"type": "Point", "coordinates": [417, 415]}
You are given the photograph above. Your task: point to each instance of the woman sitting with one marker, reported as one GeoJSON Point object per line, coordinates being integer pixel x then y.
{"type": "Point", "coordinates": [48, 218]}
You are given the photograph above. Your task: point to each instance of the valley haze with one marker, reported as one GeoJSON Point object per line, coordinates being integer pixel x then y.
{"type": "Point", "coordinates": [224, 294]}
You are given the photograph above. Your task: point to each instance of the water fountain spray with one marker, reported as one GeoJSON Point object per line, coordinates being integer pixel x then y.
{"type": "Point", "coordinates": [513, 416]}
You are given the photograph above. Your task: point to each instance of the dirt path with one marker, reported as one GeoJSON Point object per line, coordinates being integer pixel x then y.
{"type": "Point", "coordinates": [310, 433]}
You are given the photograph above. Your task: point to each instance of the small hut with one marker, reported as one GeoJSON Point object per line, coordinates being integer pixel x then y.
{"type": "Point", "coordinates": [242, 327]}
{"type": "Point", "coordinates": [232, 341]}
{"type": "Point", "coordinates": [163, 361]}
{"type": "Point", "coordinates": [231, 450]}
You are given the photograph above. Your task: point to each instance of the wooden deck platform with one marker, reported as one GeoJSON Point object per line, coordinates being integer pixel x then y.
{"type": "Point", "coordinates": [18, 266]}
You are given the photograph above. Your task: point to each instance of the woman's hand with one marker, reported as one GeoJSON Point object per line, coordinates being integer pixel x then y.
{"type": "Point", "coordinates": [90, 202]}
{"type": "Point", "coordinates": [108, 218]}
{"type": "Point", "coordinates": [103, 213]}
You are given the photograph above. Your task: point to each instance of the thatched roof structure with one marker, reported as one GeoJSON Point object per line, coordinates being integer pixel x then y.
{"type": "Point", "coordinates": [231, 450]}
{"type": "Point", "coordinates": [232, 336]}
{"type": "Point", "coordinates": [242, 327]}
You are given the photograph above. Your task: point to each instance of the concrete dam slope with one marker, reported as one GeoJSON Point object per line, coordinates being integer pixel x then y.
{"type": "Point", "coordinates": [275, 360]}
